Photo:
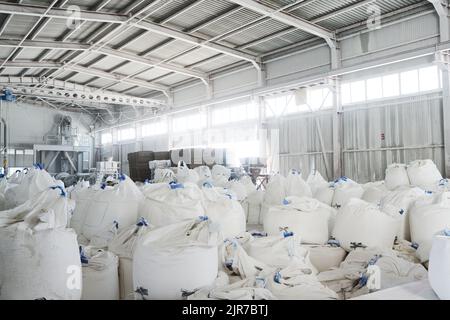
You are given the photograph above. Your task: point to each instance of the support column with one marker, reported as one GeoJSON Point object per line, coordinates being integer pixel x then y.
{"type": "Point", "coordinates": [444, 21]}
{"type": "Point", "coordinates": [337, 129]}
{"type": "Point", "coordinates": [444, 63]}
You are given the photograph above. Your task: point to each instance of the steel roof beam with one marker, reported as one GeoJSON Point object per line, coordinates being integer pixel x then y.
{"type": "Point", "coordinates": [121, 19]}
{"type": "Point", "coordinates": [21, 64]}
{"type": "Point", "coordinates": [55, 45]}
{"type": "Point", "coordinates": [58, 13]}
{"type": "Point", "coordinates": [118, 78]}
{"type": "Point", "coordinates": [106, 51]}
{"type": "Point", "coordinates": [287, 18]}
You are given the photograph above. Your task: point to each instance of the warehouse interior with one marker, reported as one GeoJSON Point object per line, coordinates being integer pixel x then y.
{"type": "Point", "coordinates": [291, 135]}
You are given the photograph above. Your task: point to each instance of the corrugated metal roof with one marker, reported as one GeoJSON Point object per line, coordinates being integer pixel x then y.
{"type": "Point", "coordinates": [245, 30]}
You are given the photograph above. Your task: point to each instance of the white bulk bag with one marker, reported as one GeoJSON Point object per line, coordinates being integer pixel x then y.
{"type": "Point", "coordinates": [325, 257]}
{"type": "Point", "coordinates": [308, 218]}
{"type": "Point", "coordinates": [423, 173]}
{"type": "Point", "coordinates": [315, 181]}
{"type": "Point", "coordinates": [123, 245]}
{"type": "Point", "coordinates": [204, 175]}
{"type": "Point", "coordinates": [274, 193]}
{"type": "Point", "coordinates": [325, 194]}
{"type": "Point", "coordinates": [235, 260]}
{"type": "Point", "coordinates": [39, 257]}
{"type": "Point", "coordinates": [360, 223]}
{"type": "Point", "coordinates": [220, 175]}
{"type": "Point", "coordinates": [100, 274]}
{"type": "Point", "coordinates": [165, 204]}
{"type": "Point", "coordinates": [251, 288]}
{"type": "Point", "coordinates": [35, 181]}
{"type": "Point", "coordinates": [277, 251]}
{"type": "Point", "coordinates": [296, 186]}
{"type": "Point", "coordinates": [427, 218]}
{"type": "Point", "coordinates": [296, 282]}
{"type": "Point", "coordinates": [186, 175]}
{"type": "Point", "coordinates": [374, 192]}
{"type": "Point", "coordinates": [98, 210]}
{"type": "Point", "coordinates": [344, 190]}
{"type": "Point", "coordinates": [253, 206]}
{"type": "Point", "coordinates": [399, 202]}
{"type": "Point", "coordinates": [248, 184]}
{"type": "Point", "coordinates": [439, 266]}
{"type": "Point", "coordinates": [226, 212]}
{"type": "Point", "coordinates": [238, 188]}
{"type": "Point", "coordinates": [275, 190]}
{"type": "Point", "coordinates": [396, 176]}
{"type": "Point", "coordinates": [163, 176]}
{"type": "Point", "coordinates": [178, 258]}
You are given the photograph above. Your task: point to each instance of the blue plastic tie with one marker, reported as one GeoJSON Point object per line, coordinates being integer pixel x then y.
{"type": "Point", "coordinates": [374, 260]}
{"type": "Point", "coordinates": [116, 224]}
{"type": "Point", "coordinates": [63, 193]}
{"type": "Point", "coordinates": [363, 280]}
{"type": "Point", "coordinates": [288, 234]}
{"type": "Point", "coordinates": [203, 218]}
{"type": "Point", "coordinates": [443, 182]}
{"type": "Point", "coordinates": [277, 277]}
{"type": "Point", "coordinates": [174, 185]}
{"type": "Point", "coordinates": [334, 243]}
{"type": "Point", "coordinates": [103, 186]}
{"type": "Point", "coordinates": [83, 257]}
{"type": "Point", "coordinates": [259, 234]}
{"type": "Point", "coordinates": [38, 166]}
{"type": "Point", "coordinates": [402, 211]}
{"type": "Point", "coordinates": [122, 177]}
{"type": "Point", "coordinates": [207, 184]}
{"type": "Point", "coordinates": [447, 232]}
{"type": "Point", "coordinates": [429, 192]}
{"type": "Point", "coordinates": [415, 245]}
{"type": "Point", "coordinates": [142, 222]}
{"type": "Point", "coordinates": [286, 202]}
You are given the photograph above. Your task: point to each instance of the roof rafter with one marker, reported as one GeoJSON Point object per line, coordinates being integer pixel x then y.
{"type": "Point", "coordinates": [108, 51]}
{"type": "Point", "coordinates": [121, 19]}
{"type": "Point", "coordinates": [287, 18]}
{"type": "Point", "coordinates": [118, 78]}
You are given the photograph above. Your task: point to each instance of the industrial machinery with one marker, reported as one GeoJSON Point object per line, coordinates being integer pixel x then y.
{"type": "Point", "coordinates": [65, 150]}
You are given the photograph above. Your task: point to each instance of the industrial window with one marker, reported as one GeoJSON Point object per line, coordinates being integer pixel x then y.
{"type": "Point", "coordinates": [429, 78]}
{"type": "Point", "coordinates": [374, 88]}
{"type": "Point", "coordinates": [316, 99]}
{"type": "Point", "coordinates": [391, 85]}
{"type": "Point", "coordinates": [155, 128]}
{"type": "Point", "coordinates": [236, 113]}
{"type": "Point", "coordinates": [11, 151]}
{"type": "Point", "coordinates": [280, 105]}
{"type": "Point", "coordinates": [409, 82]}
{"type": "Point", "coordinates": [191, 122]}
{"type": "Point", "coordinates": [319, 99]}
{"type": "Point", "coordinates": [126, 134]}
{"type": "Point", "coordinates": [106, 138]}
{"type": "Point", "coordinates": [353, 92]}
{"type": "Point", "coordinates": [29, 152]}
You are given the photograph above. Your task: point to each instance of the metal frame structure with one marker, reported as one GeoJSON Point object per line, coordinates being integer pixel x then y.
{"type": "Point", "coordinates": [141, 18]}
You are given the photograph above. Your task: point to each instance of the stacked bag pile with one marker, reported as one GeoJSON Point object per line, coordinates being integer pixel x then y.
{"type": "Point", "coordinates": [184, 235]}
{"type": "Point", "coordinates": [39, 255]}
